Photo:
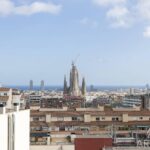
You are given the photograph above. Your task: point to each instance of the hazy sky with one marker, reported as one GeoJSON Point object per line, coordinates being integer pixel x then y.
{"type": "Point", "coordinates": [40, 38]}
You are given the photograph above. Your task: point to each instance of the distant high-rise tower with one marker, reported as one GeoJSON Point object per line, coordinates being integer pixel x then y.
{"type": "Point", "coordinates": [147, 88]}
{"type": "Point", "coordinates": [91, 88]}
{"type": "Point", "coordinates": [65, 86]}
{"type": "Point", "coordinates": [42, 85]}
{"type": "Point", "coordinates": [31, 85]}
{"type": "Point", "coordinates": [83, 90]}
{"type": "Point", "coordinates": [74, 82]}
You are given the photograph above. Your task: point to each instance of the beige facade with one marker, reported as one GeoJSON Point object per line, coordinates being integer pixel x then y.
{"type": "Point", "coordinates": [124, 117]}
{"type": "Point", "coordinates": [53, 147]}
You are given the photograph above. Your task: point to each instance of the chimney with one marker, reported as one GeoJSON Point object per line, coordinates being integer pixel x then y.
{"type": "Point", "coordinates": [16, 106]}
{"type": "Point", "coordinates": [2, 109]}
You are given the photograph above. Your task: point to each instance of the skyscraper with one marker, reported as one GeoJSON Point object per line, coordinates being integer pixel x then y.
{"type": "Point", "coordinates": [147, 88]}
{"type": "Point", "coordinates": [31, 85]}
{"type": "Point", "coordinates": [42, 85]}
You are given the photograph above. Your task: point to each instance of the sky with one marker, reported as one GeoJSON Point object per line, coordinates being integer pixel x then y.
{"type": "Point", "coordinates": [109, 40]}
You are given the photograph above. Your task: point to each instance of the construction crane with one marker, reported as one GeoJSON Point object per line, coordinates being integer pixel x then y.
{"type": "Point", "coordinates": [75, 60]}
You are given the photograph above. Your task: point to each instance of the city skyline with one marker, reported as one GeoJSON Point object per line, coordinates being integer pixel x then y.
{"type": "Point", "coordinates": [45, 36]}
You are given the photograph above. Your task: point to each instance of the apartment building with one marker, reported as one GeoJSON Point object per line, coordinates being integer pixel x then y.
{"type": "Point", "coordinates": [8, 96]}
{"type": "Point", "coordinates": [47, 124]}
{"type": "Point", "coordinates": [14, 128]}
{"type": "Point", "coordinates": [132, 100]}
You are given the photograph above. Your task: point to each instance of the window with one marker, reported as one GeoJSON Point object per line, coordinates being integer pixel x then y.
{"type": "Point", "coordinates": [141, 118]}
{"type": "Point", "coordinates": [4, 103]}
{"type": "Point", "coordinates": [74, 118]}
{"type": "Point", "coordinates": [5, 94]}
{"type": "Point", "coordinates": [97, 119]}
{"type": "Point", "coordinates": [62, 128]}
{"type": "Point", "coordinates": [103, 118]}
{"type": "Point", "coordinates": [60, 119]}
{"type": "Point", "coordinates": [42, 118]}
{"type": "Point", "coordinates": [115, 119]}
{"type": "Point", "coordinates": [35, 119]}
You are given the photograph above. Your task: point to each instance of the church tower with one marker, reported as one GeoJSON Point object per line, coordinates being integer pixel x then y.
{"type": "Point", "coordinates": [83, 90]}
{"type": "Point", "coordinates": [74, 89]}
{"type": "Point", "coordinates": [74, 82]}
{"type": "Point", "coordinates": [65, 85]}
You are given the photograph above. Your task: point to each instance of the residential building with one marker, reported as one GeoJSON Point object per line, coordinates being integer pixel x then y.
{"type": "Point", "coordinates": [8, 96]}
{"type": "Point", "coordinates": [14, 128]}
{"type": "Point", "coordinates": [53, 126]}
{"type": "Point", "coordinates": [132, 100]}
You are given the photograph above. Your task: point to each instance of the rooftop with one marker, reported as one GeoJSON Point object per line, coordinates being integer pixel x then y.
{"type": "Point", "coordinates": [3, 89]}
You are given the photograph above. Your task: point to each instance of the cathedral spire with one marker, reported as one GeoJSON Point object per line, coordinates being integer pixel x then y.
{"type": "Point", "coordinates": [74, 81]}
{"type": "Point", "coordinates": [83, 90]}
{"type": "Point", "coordinates": [73, 63]}
{"type": "Point", "coordinates": [73, 89]}
{"type": "Point", "coordinates": [65, 85]}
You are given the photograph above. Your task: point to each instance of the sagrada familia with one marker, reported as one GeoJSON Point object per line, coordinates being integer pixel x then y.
{"type": "Point", "coordinates": [74, 88]}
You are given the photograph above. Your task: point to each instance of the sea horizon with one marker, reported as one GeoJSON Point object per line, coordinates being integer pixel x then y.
{"type": "Point", "coordinates": [94, 87]}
